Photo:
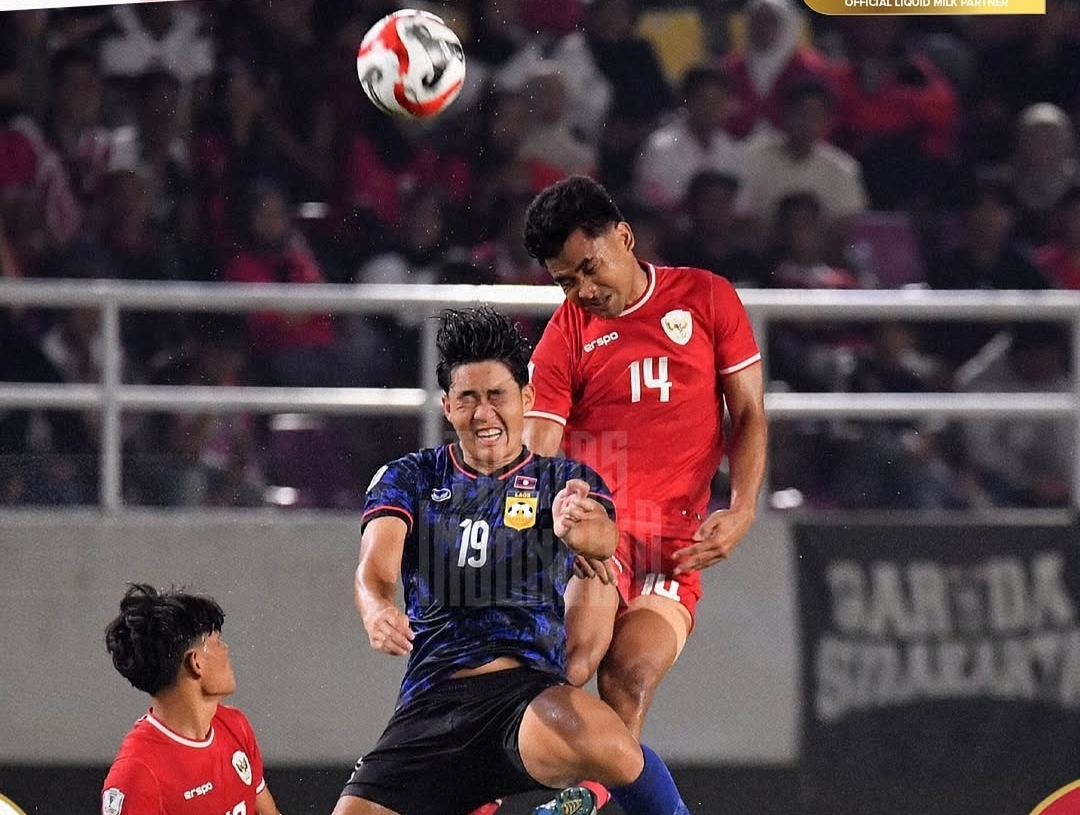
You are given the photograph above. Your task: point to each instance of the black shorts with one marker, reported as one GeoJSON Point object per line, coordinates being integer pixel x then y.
{"type": "Point", "coordinates": [454, 747]}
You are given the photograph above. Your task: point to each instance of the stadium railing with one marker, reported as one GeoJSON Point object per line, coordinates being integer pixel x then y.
{"type": "Point", "coordinates": [112, 398]}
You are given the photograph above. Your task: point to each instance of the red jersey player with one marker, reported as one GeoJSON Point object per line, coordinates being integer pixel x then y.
{"type": "Point", "coordinates": [189, 753]}
{"type": "Point", "coordinates": [632, 375]}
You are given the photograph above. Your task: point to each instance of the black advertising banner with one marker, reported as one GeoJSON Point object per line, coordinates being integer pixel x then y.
{"type": "Point", "coordinates": [940, 665]}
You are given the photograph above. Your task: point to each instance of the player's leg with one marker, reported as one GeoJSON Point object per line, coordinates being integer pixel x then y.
{"type": "Point", "coordinates": [647, 640]}
{"type": "Point", "coordinates": [591, 607]}
{"type": "Point", "coordinates": [567, 734]}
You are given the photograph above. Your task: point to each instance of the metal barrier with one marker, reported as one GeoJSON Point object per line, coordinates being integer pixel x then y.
{"type": "Point", "coordinates": [112, 398]}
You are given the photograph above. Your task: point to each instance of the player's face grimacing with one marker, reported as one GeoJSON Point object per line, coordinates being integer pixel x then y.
{"type": "Point", "coordinates": [601, 274]}
{"type": "Point", "coordinates": [487, 410]}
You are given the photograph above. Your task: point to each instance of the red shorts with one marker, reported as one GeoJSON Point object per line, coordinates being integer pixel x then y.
{"type": "Point", "coordinates": [648, 568]}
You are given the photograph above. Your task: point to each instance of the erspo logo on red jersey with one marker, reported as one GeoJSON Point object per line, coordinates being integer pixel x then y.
{"type": "Point", "coordinates": [1066, 801]}
{"type": "Point", "coordinates": [20, 5]}
{"type": "Point", "coordinates": [600, 342]}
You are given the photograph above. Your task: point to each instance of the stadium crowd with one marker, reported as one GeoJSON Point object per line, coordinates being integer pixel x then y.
{"type": "Point", "coordinates": [230, 141]}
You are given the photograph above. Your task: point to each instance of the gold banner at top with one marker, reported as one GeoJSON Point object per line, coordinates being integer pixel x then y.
{"type": "Point", "coordinates": [928, 6]}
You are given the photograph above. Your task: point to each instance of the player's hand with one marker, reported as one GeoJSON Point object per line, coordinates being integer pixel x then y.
{"type": "Point", "coordinates": [570, 505]}
{"type": "Point", "coordinates": [389, 631]}
{"type": "Point", "coordinates": [715, 539]}
{"type": "Point", "coordinates": [602, 570]}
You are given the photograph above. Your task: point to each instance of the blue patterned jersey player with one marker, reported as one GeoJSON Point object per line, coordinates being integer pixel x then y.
{"type": "Point", "coordinates": [482, 534]}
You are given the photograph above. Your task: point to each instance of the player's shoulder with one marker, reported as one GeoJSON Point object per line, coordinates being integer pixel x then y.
{"type": "Point", "coordinates": [691, 277]}
{"type": "Point", "coordinates": [413, 465]}
{"type": "Point", "coordinates": [232, 717]}
{"type": "Point", "coordinates": [675, 282]}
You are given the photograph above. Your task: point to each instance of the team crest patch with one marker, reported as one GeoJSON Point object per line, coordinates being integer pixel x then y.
{"type": "Point", "coordinates": [112, 801]}
{"type": "Point", "coordinates": [242, 766]}
{"type": "Point", "coordinates": [678, 325]}
{"type": "Point", "coordinates": [520, 512]}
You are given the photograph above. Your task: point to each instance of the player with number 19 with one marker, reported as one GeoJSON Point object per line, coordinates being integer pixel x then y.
{"type": "Point", "coordinates": [482, 534]}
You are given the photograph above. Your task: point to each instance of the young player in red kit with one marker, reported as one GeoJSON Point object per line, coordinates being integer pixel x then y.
{"type": "Point", "coordinates": [189, 753]}
{"type": "Point", "coordinates": [632, 375]}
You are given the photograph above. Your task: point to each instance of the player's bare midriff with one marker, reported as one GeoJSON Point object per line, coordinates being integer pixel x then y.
{"type": "Point", "coordinates": [497, 664]}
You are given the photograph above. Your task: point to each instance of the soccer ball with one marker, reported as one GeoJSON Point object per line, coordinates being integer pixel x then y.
{"type": "Point", "coordinates": [411, 64]}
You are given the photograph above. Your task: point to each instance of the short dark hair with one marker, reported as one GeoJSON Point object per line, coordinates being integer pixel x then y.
{"type": "Point", "coordinates": [153, 631]}
{"type": "Point", "coordinates": [809, 86]}
{"type": "Point", "coordinates": [701, 76]}
{"type": "Point", "coordinates": [577, 202]}
{"type": "Point", "coordinates": [480, 335]}
{"type": "Point", "coordinates": [704, 180]}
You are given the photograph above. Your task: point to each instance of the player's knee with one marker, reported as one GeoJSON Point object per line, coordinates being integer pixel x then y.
{"type": "Point", "coordinates": [628, 685]}
{"type": "Point", "coordinates": [615, 760]}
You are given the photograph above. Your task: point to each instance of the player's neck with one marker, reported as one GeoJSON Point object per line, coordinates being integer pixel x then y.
{"type": "Point", "coordinates": [186, 714]}
{"type": "Point", "coordinates": [639, 286]}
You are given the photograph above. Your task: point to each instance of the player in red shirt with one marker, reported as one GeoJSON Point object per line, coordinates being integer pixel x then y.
{"type": "Point", "coordinates": [189, 753]}
{"type": "Point", "coordinates": [632, 375]}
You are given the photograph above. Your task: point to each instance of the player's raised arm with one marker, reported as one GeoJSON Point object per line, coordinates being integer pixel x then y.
{"type": "Point", "coordinates": [542, 436]}
{"type": "Point", "coordinates": [375, 587]}
{"type": "Point", "coordinates": [582, 522]}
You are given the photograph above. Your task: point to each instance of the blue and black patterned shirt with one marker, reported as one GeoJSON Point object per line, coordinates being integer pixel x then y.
{"type": "Point", "coordinates": [482, 569]}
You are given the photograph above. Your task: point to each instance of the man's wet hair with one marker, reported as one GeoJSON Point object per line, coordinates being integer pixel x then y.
{"type": "Point", "coordinates": [480, 335]}
{"type": "Point", "coordinates": [577, 202]}
{"type": "Point", "coordinates": [153, 632]}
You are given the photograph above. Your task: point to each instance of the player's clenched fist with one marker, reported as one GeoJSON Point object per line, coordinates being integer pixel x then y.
{"type": "Point", "coordinates": [572, 505]}
{"type": "Point", "coordinates": [389, 631]}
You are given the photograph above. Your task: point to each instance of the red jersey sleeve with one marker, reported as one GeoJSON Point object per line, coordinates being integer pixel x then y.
{"type": "Point", "coordinates": [735, 345]}
{"type": "Point", "coordinates": [131, 788]}
{"type": "Point", "coordinates": [551, 371]}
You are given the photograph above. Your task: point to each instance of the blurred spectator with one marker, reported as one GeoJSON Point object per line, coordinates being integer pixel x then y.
{"type": "Point", "coordinates": [387, 159]}
{"type": "Point", "coordinates": [504, 257]}
{"type": "Point", "coordinates": [498, 49]}
{"type": "Point", "coordinates": [986, 257]}
{"type": "Point", "coordinates": [1039, 61]}
{"type": "Point", "coordinates": [798, 159]}
{"type": "Point", "coordinates": [1060, 258]}
{"type": "Point", "coordinates": [808, 356]}
{"type": "Point", "coordinates": [551, 151]}
{"type": "Point", "coordinates": [710, 238]}
{"type": "Point", "coordinates": [694, 140]}
{"type": "Point", "coordinates": [31, 52]}
{"type": "Point", "coordinates": [424, 250]}
{"type": "Point", "coordinates": [896, 113]}
{"type": "Point", "coordinates": [772, 59]}
{"type": "Point", "coordinates": [151, 37]}
{"type": "Point", "coordinates": [897, 464]}
{"type": "Point", "coordinates": [494, 161]}
{"type": "Point", "coordinates": [1043, 166]}
{"type": "Point", "coordinates": [74, 125]}
{"type": "Point", "coordinates": [1020, 461]}
{"type": "Point", "coordinates": [156, 148]}
{"type": "Point", "coordinates": [618, 90]}
{"type": "Point", "coordinates": [279, 42]}
{"type": "Point", "coordinates": [233, 148]}
{"type": "Point", "coordinates": [39, 211]}
{"type": "Point", "coordinates": [202, 459]}
{"type": "Point", "coordinates": [290, 349]}
{"type": "Point", "coordinates": [43, 454]}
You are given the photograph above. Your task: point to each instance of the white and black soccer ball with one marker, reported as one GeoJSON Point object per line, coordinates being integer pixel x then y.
{"type": "Point", "coordinates": [411, 64]}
